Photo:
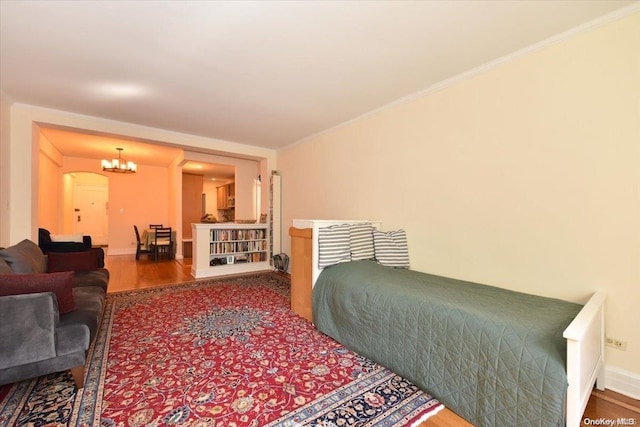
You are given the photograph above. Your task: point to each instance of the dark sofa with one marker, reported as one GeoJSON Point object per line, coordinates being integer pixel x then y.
{"type": "Point", "coordinates": [50, 310]}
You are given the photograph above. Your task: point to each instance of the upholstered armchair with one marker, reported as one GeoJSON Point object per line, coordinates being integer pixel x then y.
{"type": "Point", "coordinates": [48, 245]}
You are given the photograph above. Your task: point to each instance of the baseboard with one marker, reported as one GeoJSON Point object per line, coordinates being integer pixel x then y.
{"type": "Point", "coordinates": [121, 251]}
{"type": "Point", "coordinates": [129, 252]}
{"type": "Point", "coordinates": [623, 382]}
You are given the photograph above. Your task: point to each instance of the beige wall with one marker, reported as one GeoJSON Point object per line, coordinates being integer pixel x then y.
{"type": "Point", "coordinates": [523, 176]}
{"type": "Point", "coordinates": [5, 125]}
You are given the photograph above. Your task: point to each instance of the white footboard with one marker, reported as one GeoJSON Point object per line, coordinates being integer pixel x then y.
{"type": "Point", "coordinates": [585, 356]}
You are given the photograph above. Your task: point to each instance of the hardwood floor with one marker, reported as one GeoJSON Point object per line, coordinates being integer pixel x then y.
{"type": "Point", "coordinates": [612, 406]}
{"type": "Point", "coordinates": [127, 274]}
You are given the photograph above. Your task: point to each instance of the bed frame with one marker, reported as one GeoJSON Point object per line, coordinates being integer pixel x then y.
{"type": "Point", "coordinates": [584, 335]}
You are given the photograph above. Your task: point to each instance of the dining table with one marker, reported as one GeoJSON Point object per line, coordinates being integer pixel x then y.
{"type": "Point", "coordinates": [149, 237]}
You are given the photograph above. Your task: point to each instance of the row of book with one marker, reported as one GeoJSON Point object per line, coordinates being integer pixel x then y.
{"type": "Point", "coordinates": [238, 246]}
{"type": "Point", "coordinates": [238, 234]}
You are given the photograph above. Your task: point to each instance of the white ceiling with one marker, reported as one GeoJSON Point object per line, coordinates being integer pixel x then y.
{"type": "Point", "coordinates": [264, 73]}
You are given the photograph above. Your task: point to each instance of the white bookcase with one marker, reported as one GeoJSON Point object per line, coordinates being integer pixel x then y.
{"type": "Point", "coordinates": [229, 248]}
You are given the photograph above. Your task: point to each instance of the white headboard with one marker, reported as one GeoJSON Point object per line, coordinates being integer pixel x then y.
{"type": "Point", "coordinates": [315, 225]}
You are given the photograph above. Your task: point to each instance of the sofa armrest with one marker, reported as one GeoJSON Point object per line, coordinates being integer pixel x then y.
{"type": "Point", "coordinates": [89, 260]}
{"type": "Point", "coordinates": [27, 328]}
{"type": "Point", "coordinates": [63, 247]}
{"type": "Point", "coordinates": [47, 245]}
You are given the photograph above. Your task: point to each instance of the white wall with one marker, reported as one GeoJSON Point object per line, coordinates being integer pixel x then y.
{"type": "Point", "coordinates": [524, 176]}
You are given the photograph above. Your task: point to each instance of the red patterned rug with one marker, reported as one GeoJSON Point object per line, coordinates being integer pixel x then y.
{"type": "Point", "coordinates": [224, 352]}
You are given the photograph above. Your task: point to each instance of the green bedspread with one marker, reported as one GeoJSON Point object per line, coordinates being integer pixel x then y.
{"type": "Point", "coordinates": [494, 356]}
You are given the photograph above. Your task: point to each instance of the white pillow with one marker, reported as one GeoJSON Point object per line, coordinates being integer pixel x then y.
{"type": "Point", "coordinates": [77, 237]}
{"type": "Point", "coordinates": [391, 248]}
{"type": "Point", "coordinates": [362, 241]}
{"type": "Point", "coordinates": [333, 245]}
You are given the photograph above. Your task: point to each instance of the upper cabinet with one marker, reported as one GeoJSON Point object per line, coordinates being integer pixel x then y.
{"type": "Point", "coordinates": [222, 197]}
{"type": "Point", "coordinates": [226, 196]}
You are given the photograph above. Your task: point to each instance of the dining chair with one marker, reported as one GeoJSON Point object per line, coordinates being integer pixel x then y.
{"type": "Point", "coordinates": [153, 226]}
{"type": "Point", "coordinates": [140, 248]}
{"type": "Point", "coordinates": [162, 243]}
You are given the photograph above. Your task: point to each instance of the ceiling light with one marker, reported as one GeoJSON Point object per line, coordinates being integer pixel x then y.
{"type": "Point", "coordinates": [119, 165]}
{"type": "Point", "coordinates": [121, 90]}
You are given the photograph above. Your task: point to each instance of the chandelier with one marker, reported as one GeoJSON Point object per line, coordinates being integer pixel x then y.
{"type": "Point", "coordinates": [119, 165]}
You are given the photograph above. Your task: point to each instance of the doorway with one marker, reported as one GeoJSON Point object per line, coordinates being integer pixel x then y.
{"type": "Point", "coordinates": [89, 203]}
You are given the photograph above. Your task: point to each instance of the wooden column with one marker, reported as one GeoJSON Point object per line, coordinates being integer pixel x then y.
{"type": "Point", "coordinates": [301, 272]}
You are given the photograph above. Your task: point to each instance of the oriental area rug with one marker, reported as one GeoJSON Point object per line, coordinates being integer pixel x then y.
{"type": "Point", "coordinates": [223, 352]}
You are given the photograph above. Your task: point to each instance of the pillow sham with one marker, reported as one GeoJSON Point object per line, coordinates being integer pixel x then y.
{"type": "Point", "coordinates": [361, 240]}
{"type": "Point", "coordinates": [61, 284]}
{"type": "Point", "coordinates": [333, 245]}
{"type": "Point", "coordinates": [391, 248]}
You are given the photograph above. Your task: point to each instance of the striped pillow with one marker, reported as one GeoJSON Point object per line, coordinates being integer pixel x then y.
{"type": "Point", "coordinates": [391, 248]}
{"type": "Point", "coordinates": [362, 241]}
{"type": "Point", "coordinates": [333, 245]}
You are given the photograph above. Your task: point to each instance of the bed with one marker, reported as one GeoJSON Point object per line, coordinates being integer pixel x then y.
{"type": "Point", "coordinates": [494, 356]}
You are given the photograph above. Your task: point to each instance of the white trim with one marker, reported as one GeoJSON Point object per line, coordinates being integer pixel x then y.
{"type": "Point", "coordinates": [481, 69]}
{"type": "Point", "coordinates": [623, 382]}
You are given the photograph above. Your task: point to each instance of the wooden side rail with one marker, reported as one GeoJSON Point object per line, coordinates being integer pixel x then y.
{"type": "Point", "coordinates": [301, 271]}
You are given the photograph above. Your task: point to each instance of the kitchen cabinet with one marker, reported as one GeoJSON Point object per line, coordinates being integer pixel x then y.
{"type": "Point", "coordinates": [226, 196]}
{"type": "Point", "coordinates": [222, 197]}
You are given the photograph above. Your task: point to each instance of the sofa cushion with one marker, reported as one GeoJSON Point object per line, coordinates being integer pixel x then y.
{"type": "Point", "coordinates": [98, 278]}
{"type": "Point", "coordinates": [72, 261]}
{"type": "Point", "coordinates": [27, 331]}
{"type": "Point", "coordinates": [25, 258]}
{"type": "Point", "coordinates": [61, 284]}
{"type": "Point", "coordinates": [90, 302]}
{"type": "Point", "coordinates": [4, 267]}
